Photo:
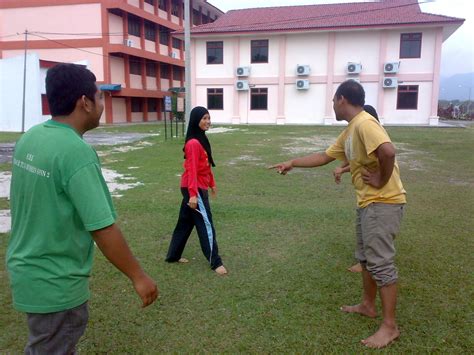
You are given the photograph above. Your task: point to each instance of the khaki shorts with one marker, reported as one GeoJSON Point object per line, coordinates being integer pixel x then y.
{"type": "Point", "coordinates": [376, 228]}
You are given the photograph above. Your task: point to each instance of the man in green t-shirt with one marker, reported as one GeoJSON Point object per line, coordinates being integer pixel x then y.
{"type": "Point", "coordinates": [60, 206]}
{"type": "Point", "coordinates": [365, 144]}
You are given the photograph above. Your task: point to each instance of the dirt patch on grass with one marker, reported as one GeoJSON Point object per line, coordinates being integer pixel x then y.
{"type": "Point", "coordinates": [308, 145]}
{"type": "Point", "coordinates": [407, 157]}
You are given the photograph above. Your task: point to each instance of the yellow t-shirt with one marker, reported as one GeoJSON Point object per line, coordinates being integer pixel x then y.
{"type": "Point", "coordinates": [357, 143]}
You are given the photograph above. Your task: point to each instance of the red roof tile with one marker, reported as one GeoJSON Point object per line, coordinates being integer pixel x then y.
{"type": "Point", "coordinates": [320, 17]}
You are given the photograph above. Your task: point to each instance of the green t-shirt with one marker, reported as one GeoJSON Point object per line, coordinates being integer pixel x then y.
{"type": "Point", "coordinates": [58, 196]}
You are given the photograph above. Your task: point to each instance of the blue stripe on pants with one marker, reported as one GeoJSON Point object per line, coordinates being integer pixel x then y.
{"type": "Point", "coordinates": [207, 223]}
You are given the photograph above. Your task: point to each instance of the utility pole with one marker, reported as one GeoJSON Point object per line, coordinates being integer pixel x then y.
{"type": "Point", "coordinates": [187, 61]}
{"type": "Point", "coordinates": [24, 85]}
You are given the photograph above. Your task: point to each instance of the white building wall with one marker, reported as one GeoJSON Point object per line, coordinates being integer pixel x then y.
{"type": "Point", "coordinates": [95, 63]}
{"type": "Point", "coordinates": [310, 106]}
{"type": "Point", "coordinates": [371, 93]}
{"type": "Point", "coordinates": [305, 106]}
{"type": "Point", "coordinates": [11, 93]}
{"type": "Point", "coordinates": [358, 47]}
{"type": "Point", "coordinates": [315, 53]}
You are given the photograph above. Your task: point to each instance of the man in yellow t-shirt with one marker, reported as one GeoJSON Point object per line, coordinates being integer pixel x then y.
{"type": "Point", "coordinates": [365, 144]}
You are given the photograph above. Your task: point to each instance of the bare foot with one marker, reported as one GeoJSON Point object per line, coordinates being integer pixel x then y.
{"type": "Point", "coordinates": [221, 270]}
{"type": "Point", "coordinates": [355, 268]}
{"type": "Point", "coordinates": [360, 309]}
{"type": "Point", "coordinates": [382, 337]}
{"type": "Point", "coordinates": [183, 261]}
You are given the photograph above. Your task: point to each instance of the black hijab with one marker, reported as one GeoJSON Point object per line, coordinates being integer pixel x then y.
{"type": "Point", "coordinates": [197, 133]}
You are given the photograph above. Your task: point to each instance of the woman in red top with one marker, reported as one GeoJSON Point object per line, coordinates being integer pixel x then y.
{"type": "Point", "coordinates": [197, 178]}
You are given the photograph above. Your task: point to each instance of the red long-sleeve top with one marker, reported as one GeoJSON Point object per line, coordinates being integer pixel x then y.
{"type": "Point", "coordinates": [197, 170]}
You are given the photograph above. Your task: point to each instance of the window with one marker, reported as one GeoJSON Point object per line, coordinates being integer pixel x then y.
{"type": "Point", "coordinates": [164, 71]}
{"type": "Point", "coordinates": [175, 8]}
{"type": "Point", "coordinates": [410, 45]}
{"type": "Point", "coordinates": [407, 98]}
{"type": "Point", "coordinates": [176, 43]}
{"type": "Point", "coordinates": [162, 5]}
{"type": "Point", "coordinates": [259, 51]}
{"type": "Point", "coordinates": [259, 99]}
{"type": "Point", "coordinates": [150, 69]}
{"type": "Point", "coordinates": [135, 66]}
{"type": "Point", "coordinates": [151, 2]}
{"type": "Point", "coordinates": [176, 72]}
{"type": "Point", "coordinates": [152, 105]}
{"type": "Point", "coordinates": [164, 35]}
{"type": "Point", "coordinates": [196, 17]}
{"type": "Point", "coordinates": [215, 52]}
{"type": "Point", "coordinates": [133, 25]}
{"type": "Point", "coordinates": [150, 31]}
{"type": "Point", "coordinates": [215, 99]}
{"type": "Point", "coordinates": [44, 105]}
{"type": "Point", "coordinates": [137, 104]}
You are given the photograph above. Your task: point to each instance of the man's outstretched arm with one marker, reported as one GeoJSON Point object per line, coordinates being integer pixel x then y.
{"type": "Point", "coordinates": [309, 161]}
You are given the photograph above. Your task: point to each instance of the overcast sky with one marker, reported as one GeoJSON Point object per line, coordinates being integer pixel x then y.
{"type": "Point", "coordinates": [458, 50]}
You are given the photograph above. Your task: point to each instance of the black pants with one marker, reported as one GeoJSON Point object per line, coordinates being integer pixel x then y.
{"type": "Point", "coordinates": [202, 220]}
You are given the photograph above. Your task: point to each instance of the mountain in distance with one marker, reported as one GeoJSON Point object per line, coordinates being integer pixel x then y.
{"type": "Point", "coordinates": [457, 87]}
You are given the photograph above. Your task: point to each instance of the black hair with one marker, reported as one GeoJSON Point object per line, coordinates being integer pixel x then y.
{"type": "Point", "coordinates": [352, 91]}
{"type": "Point", "coordinates": [371, 110]}
{"type": "Point", "coordinates": [194, 131]}
{"type": "Point", "coordinates": [65, 84]}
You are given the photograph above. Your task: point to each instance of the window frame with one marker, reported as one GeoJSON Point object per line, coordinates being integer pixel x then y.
{"type": "Point", "coordinates": [150, 69]}
{"type": "Point", "coordinates": [135, 66]}
{"type": "Point", "coordinates": [152, 107]}
{"type": "Point", "coordinates": [176, 43]}
{"type": "Point", "coordinates": [175, 8]}
{"type": "Point", "coordinates": [136, 104]}
{"type": "Point", "coordinates": [150, 31]}
{"type": "Point", "coordinates": [133, 25]}
{"type": "Point", "coordinates": [255, 48]}
{"type": "Point", "coordinates": [255, 94]}
{"type": "Point", "coordinates": [215, 94]}
{"type": "Point", "coordinates": [163, 5]}
{"type": "Point", "coordinates": [164, 71]}
{"type": "Point", "coordinates": [176, 70]}
{"type": "Point", "coordinates": [410, 41]}
{"type": "Point", "coordinates": [164, 35]}
{"type": "Point", "coordinates": [45, 110]}
{"type": "Point", "coordinates": [216, 46]}
{"type": "Point", "coordinates": [404, 90]}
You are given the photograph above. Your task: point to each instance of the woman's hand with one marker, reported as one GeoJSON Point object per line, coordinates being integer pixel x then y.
{"type": "Point", "coordinates": [213, 191]}
{"type": "Point", "coordinates": [193, 202]}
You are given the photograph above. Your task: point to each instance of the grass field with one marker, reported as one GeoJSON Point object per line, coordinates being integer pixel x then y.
{"type": "Point", "coordinates": [287, 241]}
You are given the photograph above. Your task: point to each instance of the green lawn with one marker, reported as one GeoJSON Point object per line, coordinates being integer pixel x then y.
{"type": "Point", "coordinates": [287, 241]}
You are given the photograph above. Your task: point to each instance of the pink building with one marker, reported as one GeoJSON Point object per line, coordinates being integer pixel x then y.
{"type": "Point", "coordinates": [126, 43]}
{"type": "Point", "coordinates": [282, 65]}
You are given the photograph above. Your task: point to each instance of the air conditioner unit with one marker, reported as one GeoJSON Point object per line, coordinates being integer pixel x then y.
{"type": "Point", "coordinates": [242, 71]}
{"type": "Point", "coordinates": [242, 85]}
{"type": "Point", "coordinates": [391, 67]}
{"type": "Point", "coordinates": [128, 42]}
{"type": "Point", "coordinates": [354, 68]}
{"type": "Point", "coordinates": [303, 70]}
{"type": "Point", "coordinates": [390, 83]}
{"type": "Point", "coordinates": [302, 84]}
